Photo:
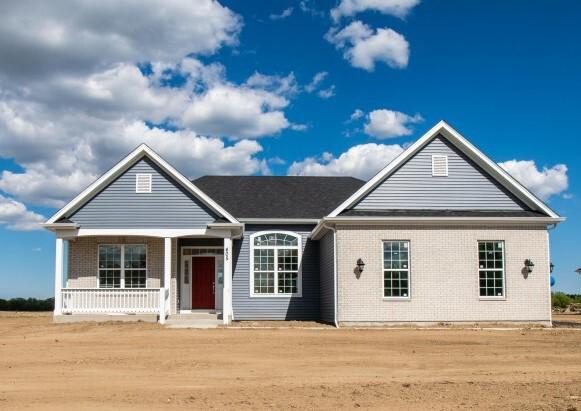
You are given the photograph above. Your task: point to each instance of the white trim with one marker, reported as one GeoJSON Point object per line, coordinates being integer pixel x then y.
{"type": "Point", "coordinates": [218, 256]}
{"type": "Point", "coordinates": [140, 152]}
{"type": "Point", "coordinates": [139, 183]}
{"type": "Point", "coordinates": [151, 232]}
{"type": "Point", "coordinates": [227, 310]}
{"type": "Point", "coordinates": [491, 297]}
{"type": "Point", "coordinates": [279, 220]}
{"type": "Point", "coordinates": [409, 271]}
{"type": "Point", "coordinates": [298, 247]}
{"type": "Point", "coordinates": [467, 148]}
{"type": "Point", "coordinates": [549, 279]}
{"type": "Point", "coordinates": [58, 275]}
{"type": "Point", "coordinates": [351, 220]}
{"type": "Point", "coordinates": [122, 266]}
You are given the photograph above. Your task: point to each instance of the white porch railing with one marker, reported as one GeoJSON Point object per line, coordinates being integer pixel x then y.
{"type": "Point", "coordinates": [113, 300]}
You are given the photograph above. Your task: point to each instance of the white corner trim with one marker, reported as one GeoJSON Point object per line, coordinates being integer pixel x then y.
{"type": "Point", "coordinates": [123, 165]}
{"type": "Point", "coordinates": [467, 148]}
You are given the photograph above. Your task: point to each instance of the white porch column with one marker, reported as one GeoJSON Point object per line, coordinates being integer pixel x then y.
{"type": "Point", "coordinates": [227, 290]}
{"type": "Point", "coordinates": [58, 276]}
{"type": "Point", "coordinates": [166, 279]}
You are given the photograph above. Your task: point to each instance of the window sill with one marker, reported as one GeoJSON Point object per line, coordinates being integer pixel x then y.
{"type": "Point", "coordinates": [492, 298]}
{"type": "Point", "coordinates": [397, 298]}
{"type": "Point", "coordinates": [276, 295]}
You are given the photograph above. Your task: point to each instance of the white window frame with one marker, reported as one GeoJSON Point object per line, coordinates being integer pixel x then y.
{"type": "Point", "coordinates": [122, 269]}
{"type": "Point", "coordinates": [298, 247]}
{"type": "Point", "coordinates": [491, 297]}
{"type": "Point", "coordinates": [409, 271]}
{"type": "Point", "coordinates": [150, 183]}
{"type": "Point", "coordinates": [439, 156]}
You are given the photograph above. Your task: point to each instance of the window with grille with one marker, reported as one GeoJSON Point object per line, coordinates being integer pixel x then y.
{"type": "Point", "coordinates": [439, 166]}
{"type": "Point", "coordinates": [143, 183]}
{"type": "Point", "coordinates": [396, 269]}
{"type": "Point", "coordinates": [491, 268]}
{"type": "Point", "coordinates": [275, 264]}
{"type": "Point", "coordinates": [122, 266]}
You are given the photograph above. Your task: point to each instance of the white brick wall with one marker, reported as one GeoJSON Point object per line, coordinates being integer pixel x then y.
{"type": "Point", "coordinates": [83, 261]}
{"type": "Point", "coordinates": [444, 275]}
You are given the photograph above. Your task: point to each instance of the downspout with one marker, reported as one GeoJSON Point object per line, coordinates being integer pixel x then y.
{"type": "Point", "coordinates": [335, 282]}
{"type": "Point", "coordinates": [549, 228]}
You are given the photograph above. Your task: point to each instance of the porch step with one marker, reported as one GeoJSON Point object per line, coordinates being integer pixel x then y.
{"type": "Point", "coordinates": [194, 320]}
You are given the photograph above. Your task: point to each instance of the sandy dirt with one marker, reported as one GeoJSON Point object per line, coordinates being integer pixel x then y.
{"type": "Point", "coordinates": [144, 366]}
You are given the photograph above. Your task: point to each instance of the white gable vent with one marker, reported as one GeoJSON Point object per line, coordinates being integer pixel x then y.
{"type": "Point", "coordinates": [143, 183]}
{"type": "Point", "coordinates": [440, 166]}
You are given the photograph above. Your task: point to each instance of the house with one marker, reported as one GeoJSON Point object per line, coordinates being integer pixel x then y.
{"type": "Point", "coordinates": [441, 234]}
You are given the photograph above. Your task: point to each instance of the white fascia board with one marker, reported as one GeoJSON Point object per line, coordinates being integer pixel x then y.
{"type": "Point", "coordinates": [445, 220]}
{"type": "Point", "coordinates": [122, 166]}
{"type": "Point", "coordinates": [60, 226]}
{"type": "Point", "coordinates": [466, 147]}
{"type": "Point", "coordinates": [152, 232]}
{"type": "Point", "coordinates": [410, 221]}
{"type": "Point", "coordinates": [280, 220]}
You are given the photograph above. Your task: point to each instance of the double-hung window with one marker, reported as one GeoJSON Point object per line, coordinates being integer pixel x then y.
{"type": "Point", "coordinates": [396, 269]}
{"type": "Point", "coordinates": [491, 268]}
{"type": "Point", "coordinates": [122, 266]}
{"type": "Point", "coordinates": [275, 264]}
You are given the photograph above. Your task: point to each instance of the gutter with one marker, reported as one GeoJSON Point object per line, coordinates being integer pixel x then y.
{"type": "Point", "coordinates": [60, 226]}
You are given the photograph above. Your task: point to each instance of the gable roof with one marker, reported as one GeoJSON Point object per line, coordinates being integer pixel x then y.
{"type": "Point", "coordinates": [448, 132]}
{"type": "Point", "coordinates": [278, 197]}
{"type": "Point", "coordinates": [140, 152]}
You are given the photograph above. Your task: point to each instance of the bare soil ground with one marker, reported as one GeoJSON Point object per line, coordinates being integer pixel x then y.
{"type": "Point", "coordinates": [144, 366]}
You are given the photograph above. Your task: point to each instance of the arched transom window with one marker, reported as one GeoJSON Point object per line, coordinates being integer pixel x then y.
{"type": "Point", "coordinates": [275, 264]}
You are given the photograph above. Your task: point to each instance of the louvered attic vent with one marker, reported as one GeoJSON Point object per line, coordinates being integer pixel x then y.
{"type": "Point", "coordinates": [143, 183]}
{"type": "Point", "coordinates": [440, 166]}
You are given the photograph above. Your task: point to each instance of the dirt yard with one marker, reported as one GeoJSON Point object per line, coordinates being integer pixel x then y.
{"type": "Point", "coordinates": [131, 366]}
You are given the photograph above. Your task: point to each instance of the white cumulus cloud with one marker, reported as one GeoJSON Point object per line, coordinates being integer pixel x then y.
{"type": "Point", "coordinates": [79, 90]}
{"type": "Point", "coordinates": [397, 8]}
{"type": "Point", "coordinates": [39, 38]}
{"type": "Point", "coordinates": [362, 161]}
{"type": "Point", "coordinates": [384, 124]}
{"type": "Point", "coordinates": [363, 47]}
{"type": "Point", "coordinates": [545, 182]}
{"type": "Point", "coordinates": [15, 216]}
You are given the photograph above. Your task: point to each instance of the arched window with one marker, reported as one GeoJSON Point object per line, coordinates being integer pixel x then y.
{"type": "Point", "coordinates": [275, 264]}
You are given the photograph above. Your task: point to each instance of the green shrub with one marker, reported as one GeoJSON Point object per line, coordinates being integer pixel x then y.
{"type": "Point", "coordinates": [560, 300]}
{"type": "Point", "coordinates": [27, 304]}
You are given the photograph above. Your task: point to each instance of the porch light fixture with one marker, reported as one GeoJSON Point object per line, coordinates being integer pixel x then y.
{"type": "Point", "coordinates": [360, 265]}
{"type": "Point", "coordinates": [529, 265]}
{"type": "Point", "coordinates": [578, 271]}
{"type": "Point", "coordinates": [551, 267]}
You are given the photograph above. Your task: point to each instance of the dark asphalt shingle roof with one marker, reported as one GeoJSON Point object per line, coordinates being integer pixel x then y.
{"type": "Point", "coordinates": [278, 196]}
{"type": "Point", "coordinates": [442, 213]}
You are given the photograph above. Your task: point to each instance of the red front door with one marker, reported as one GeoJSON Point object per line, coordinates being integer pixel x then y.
{"type": "Point", "coordinates": [203, 271]}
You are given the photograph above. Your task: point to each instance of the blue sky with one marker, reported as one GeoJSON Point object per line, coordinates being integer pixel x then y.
{"type": "Point", "coordinates": [231, 89]}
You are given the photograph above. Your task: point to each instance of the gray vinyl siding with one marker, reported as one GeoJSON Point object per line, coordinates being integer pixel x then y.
{"type": "Point", "coordinates": [327, 278]}
{"type": "Point", "coordinates": [467, 186]}
{"type": "Point", "coordinates": [169, 205]}
{"type": "Point", "coordinates": [276, 308]}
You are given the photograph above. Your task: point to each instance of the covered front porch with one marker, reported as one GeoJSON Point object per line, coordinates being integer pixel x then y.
{"type": "Point", "coordinates": [123, 274]}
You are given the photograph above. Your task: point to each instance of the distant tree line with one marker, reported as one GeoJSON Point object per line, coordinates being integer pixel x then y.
{"type": "Point", "coordinates": [27, 304]}
{"type": "Point", "coordinates": [562, 300]}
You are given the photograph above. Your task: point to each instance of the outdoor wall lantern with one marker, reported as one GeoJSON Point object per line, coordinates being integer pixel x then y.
{"type": "Point", "coordinates": [360, 265]}
{"type": "Point", "coordinates": [551, 267]}
{"type": "Point", "coordinates": [529, 265]}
